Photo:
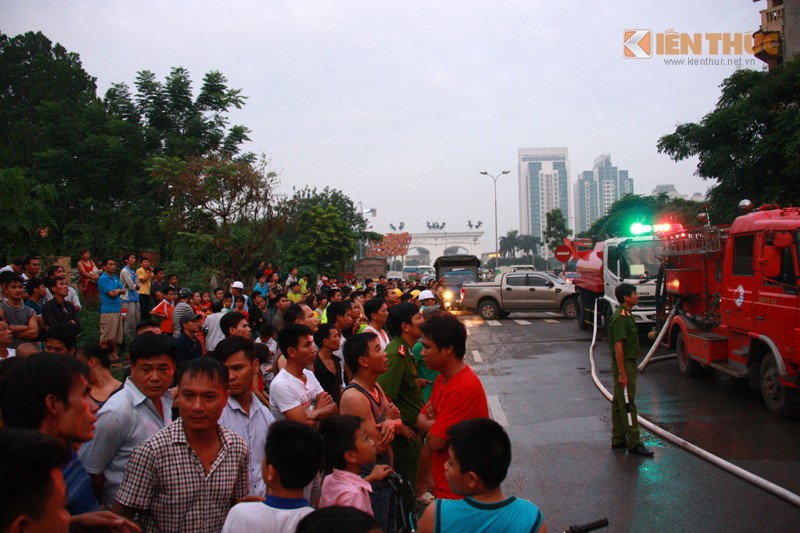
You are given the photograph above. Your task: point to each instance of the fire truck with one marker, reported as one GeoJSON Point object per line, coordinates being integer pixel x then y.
{"type": "Point", "coordinates": [735, 294]}
{"type": "Point", "coordinates": [604, 265]}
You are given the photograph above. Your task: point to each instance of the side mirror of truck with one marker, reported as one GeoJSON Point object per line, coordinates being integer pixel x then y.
{"type": "Point", "coordinates": [782, 240]}
{"type": "Point", "coordinates": [771, 262]}
{"type": "Point", "coordinates": [549, 284]}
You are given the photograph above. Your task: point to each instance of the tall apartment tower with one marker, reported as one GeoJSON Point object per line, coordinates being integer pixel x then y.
{"type": "Point", "coordinates": [585, 197]}
{"type": "Point", "coordinates": [543, 186]}
{"type": "Point", "coordinates": [597, 189]}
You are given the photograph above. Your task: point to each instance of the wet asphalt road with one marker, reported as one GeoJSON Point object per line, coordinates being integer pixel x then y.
{"type": "Point", "coordinates": [537, 378]}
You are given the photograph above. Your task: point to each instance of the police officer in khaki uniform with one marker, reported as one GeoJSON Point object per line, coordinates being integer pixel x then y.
{"type": "Point", "coordinates": [623, 337]}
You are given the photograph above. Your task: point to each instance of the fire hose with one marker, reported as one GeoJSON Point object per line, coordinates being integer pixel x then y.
{"type": "Point", "coordinates": [759, 482]}
{"type": "Point", "coordinates": [656, 342]}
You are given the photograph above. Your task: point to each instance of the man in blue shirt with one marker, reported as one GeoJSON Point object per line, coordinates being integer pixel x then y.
{"type": "Point", "coordinates": [110, 304]}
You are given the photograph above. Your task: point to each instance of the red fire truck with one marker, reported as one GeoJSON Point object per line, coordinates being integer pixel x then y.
{"type": "Point", "coordinates": [737, 289]}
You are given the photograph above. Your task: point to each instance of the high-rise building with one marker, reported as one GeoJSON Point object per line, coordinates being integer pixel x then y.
{"type": "Point", "coordinates": [597, 189]}
{"type": "Point", "coordinates": [585, 197]}
{"type": "Point", "coordinates": [543, 186]}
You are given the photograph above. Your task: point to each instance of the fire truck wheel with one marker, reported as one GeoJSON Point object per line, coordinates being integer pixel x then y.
{"type": "Point", "coordinates": [488, 310]}
{"type": "Point", "coordinates": [780, 400]}
{"type": "Point", "coordinates": [686, 365]}
{"type": "Point", "coordinates": [569, 308]}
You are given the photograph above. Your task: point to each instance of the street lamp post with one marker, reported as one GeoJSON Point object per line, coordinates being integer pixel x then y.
{"type": "Point", "coordinates": [496, 239]}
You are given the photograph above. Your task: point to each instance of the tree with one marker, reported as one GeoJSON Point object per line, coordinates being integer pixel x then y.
{"type": "Point", "coordinates": [633, 208]}
{"type": "Point", "coordinates": [391, 245]}
{"type": "Point", "coordinates": [27, 220]}
{"type": "Point", "coordinates": [87, 161]}
{"type": "Point", "coordinates": [324, 244]}
{"type": "Point", "coordinates": [321, 248]}
{"type": "Point", "coordinates": [224, 205]}
{"type": "Point", "coordinates": [749, 143]}
{"type": "Point", "coordinates": [509, 243]}
{"type": "Point", "coordinates": [556, 229]}
{"type": "Point", "coordinates": [528, 244]}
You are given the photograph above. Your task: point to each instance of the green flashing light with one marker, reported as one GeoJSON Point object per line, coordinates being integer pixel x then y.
{"type": "Point", "coordinates": [639, 229]}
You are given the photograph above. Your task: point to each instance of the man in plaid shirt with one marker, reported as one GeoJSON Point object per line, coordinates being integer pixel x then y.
{"type": "Point", "coordinates": [188, 475]}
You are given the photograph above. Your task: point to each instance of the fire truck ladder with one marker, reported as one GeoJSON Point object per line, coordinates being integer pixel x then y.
{"type": "Point", "coordinates": [706, 240]}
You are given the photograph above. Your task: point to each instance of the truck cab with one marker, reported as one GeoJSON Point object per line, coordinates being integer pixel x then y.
{"type": "Point", "coordinates": [610, 263]}
{"type": "Point", "coordinates": [632, 260]}
{"type": "Point", "coordinates": [736, 291]}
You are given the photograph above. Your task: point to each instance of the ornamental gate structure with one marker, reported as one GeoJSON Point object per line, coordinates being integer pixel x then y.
{"type": "Point", "coordinates": [435, 244]}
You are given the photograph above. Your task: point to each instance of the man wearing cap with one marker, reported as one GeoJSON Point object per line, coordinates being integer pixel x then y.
{"type": "Point", "coordinates": [187, 346]}
{"type": "Point", "coordinates": [427, 299]}
{"type": "Point", "coordinates": [182, 309]}
{"type": "Point", "coordinates": [392, 296]}
{"type": "Point", "coordinates": [237, 289]}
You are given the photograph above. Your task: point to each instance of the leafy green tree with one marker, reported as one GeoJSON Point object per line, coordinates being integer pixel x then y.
{"type": "Point", "coordinates": [556, 229]}
{"type": "Point", "coordinates": [321, 246]}
{"type": "Point", "coordinates": [27, 220]}
{"type": "Point", "coordinates": [509, 243]}
{"type": "Point", "coordinates": [348, 231]}
{"type": "Point", "coordinates": [55, 133]}
{"type": "Point", "coordinates": [223, 206]}
{"type": "Point", "coordinates": [749, 143]}
{"type": "Point", "coordinates": [529, 244]}
{"type": "Point", "coordinates": [36, 72]}
{"type": "Point", "coordinates": [633, 208]}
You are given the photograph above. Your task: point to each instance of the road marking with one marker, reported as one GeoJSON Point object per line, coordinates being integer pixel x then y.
{"type": "Point", "coordinates": [553, 314]}
{"type": "Point", "coordinates": [493, 322]}
{"type": "Point", "coordinates": [497, 410]}
{"type": "Point", "coordinates": [550, 321]}
{"type": "Point", "coordinates": [522, 322]}
{"type": "Point", "coordinates": [476, 355]}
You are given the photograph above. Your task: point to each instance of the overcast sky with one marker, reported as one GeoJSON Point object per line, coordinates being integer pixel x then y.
{"type": "Point", "coordinates": [402, 104]}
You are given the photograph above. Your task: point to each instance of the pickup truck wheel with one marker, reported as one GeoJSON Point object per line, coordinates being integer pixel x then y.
{"type": "Point", "coordinates": [686, 365]}
{"type": "Point", "coordinates": [780, 400]}
{"type": "Point", "coordinates": [488, 310]}
{"type": "Point", "coordinates": [570, 308]}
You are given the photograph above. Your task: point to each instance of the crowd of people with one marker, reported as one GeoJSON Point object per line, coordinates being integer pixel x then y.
{"type": "Point", "coordinates": [300, 405]}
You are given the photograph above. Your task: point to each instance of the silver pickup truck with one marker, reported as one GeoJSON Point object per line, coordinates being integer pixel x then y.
{"type": "Point", "coordinates": [519, 291]}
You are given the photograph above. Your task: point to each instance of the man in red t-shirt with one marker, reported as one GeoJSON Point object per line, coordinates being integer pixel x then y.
{"type": "Point", "coordinates": [457, 392]}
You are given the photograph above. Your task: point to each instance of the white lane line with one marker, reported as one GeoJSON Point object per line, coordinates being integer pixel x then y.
{"type": "Point", "coordinates": [522, 322]}
{"type": "Point", "coordinates": [476, 355]}
{"type": "Point", "coordinates": [553, 314]}
{"type": "Point", "coordinates": [550, 321]}
{"type": "Point", "coordinates": [497, 410]}
{"type": "Point", "coordinates": [493, 322]}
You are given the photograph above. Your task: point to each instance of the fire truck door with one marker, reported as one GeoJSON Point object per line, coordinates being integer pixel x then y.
{"type": "Point", "coordinates": [777, 303]}
{"type": "Point", "coordinates": [738, 283]}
